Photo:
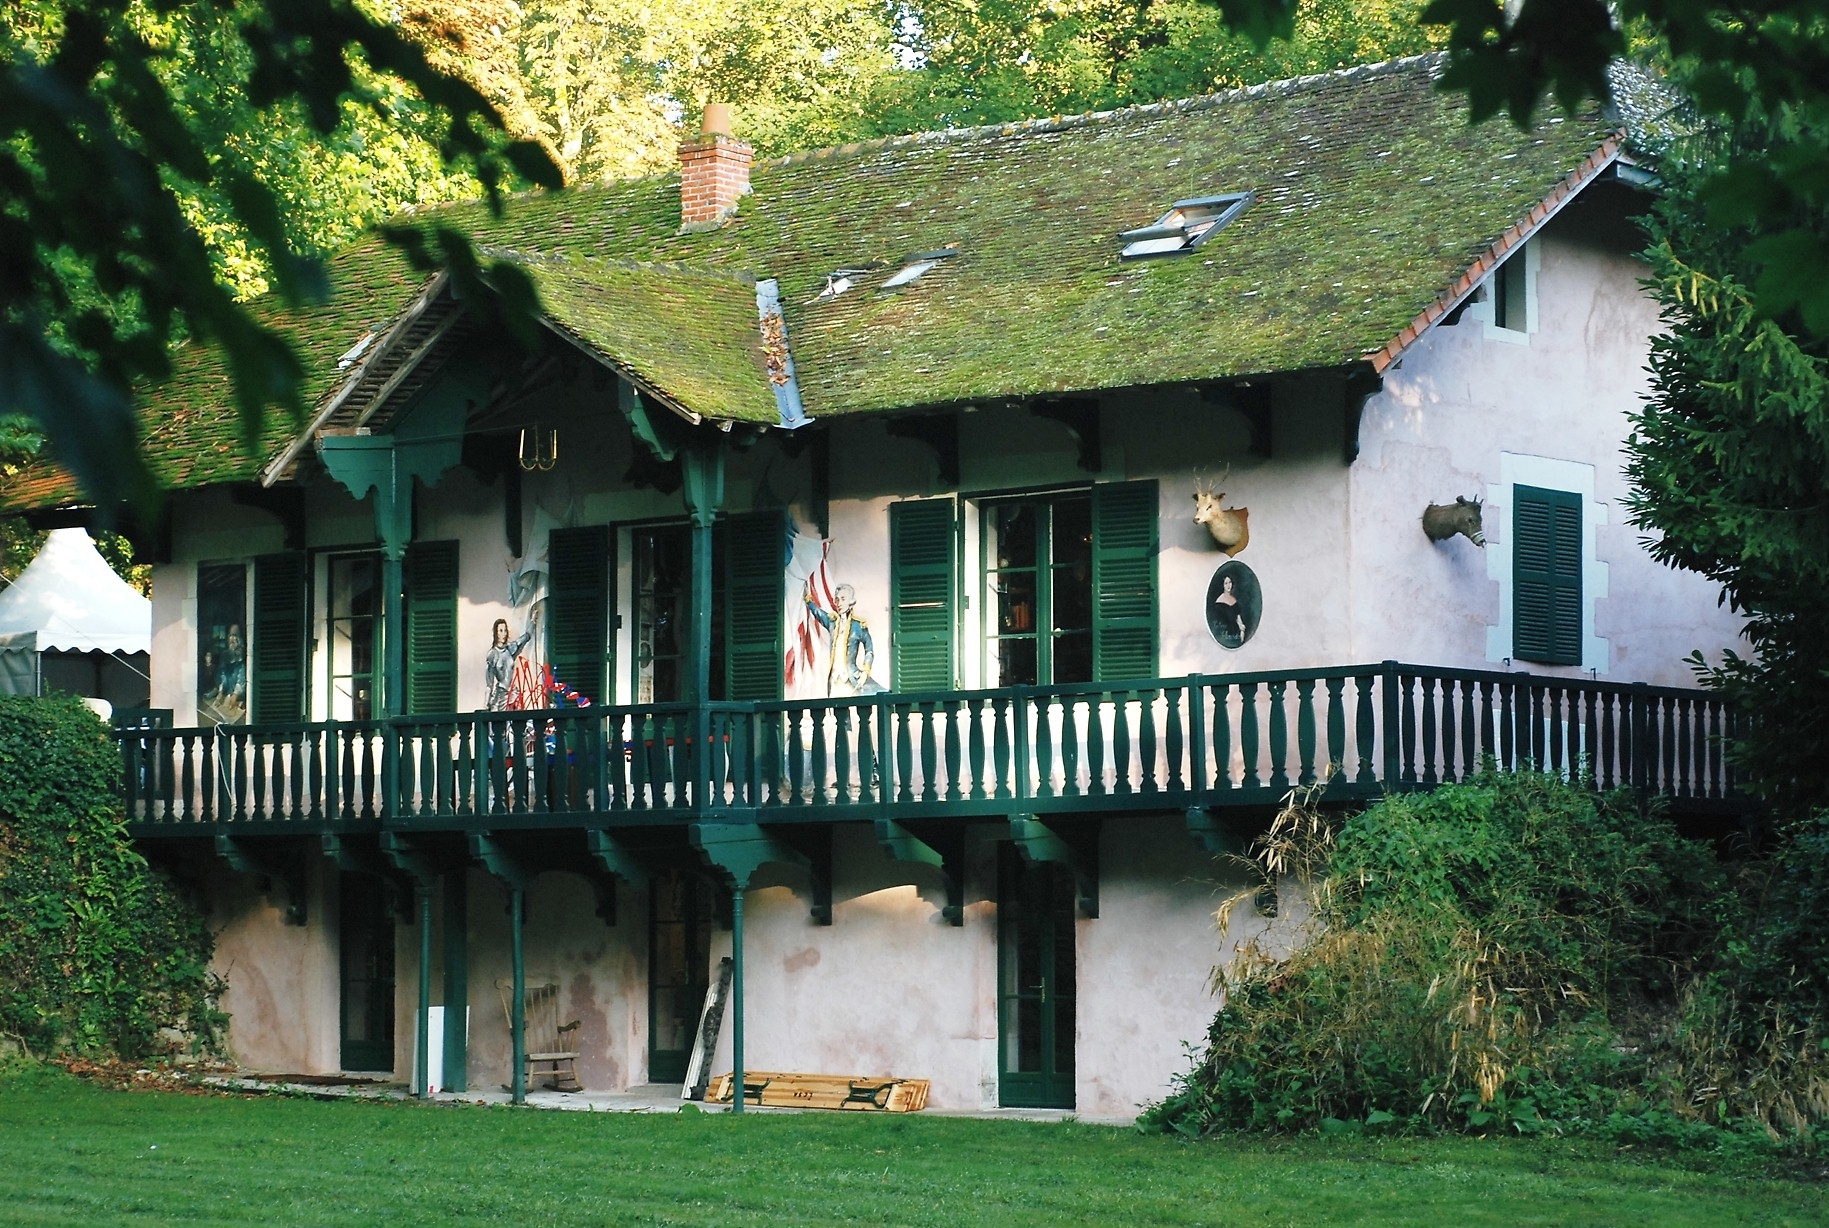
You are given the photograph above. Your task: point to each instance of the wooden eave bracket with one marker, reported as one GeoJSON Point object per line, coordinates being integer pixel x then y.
{"type": "Point", "coordinates": [1080, 415]}
{"type": "Point", "coordinates": [740, 849]}
{"type": "Point", "coordinates": [280, 862]}
{"type": "Point", "coordinates": [1252, 403]}
{"type": "Point", "coordinates": [1362, 383]}
{"type": "Point", "coordinates": [617, 863]}
{"type": "Point", "coordinates": [948, 859]}
{"type": "Point", "coordinates": [360, 855]}
{"type": "Point", "coordinates": [1075, 846]}
{"type": "Point", "coordinates": [940, 432]}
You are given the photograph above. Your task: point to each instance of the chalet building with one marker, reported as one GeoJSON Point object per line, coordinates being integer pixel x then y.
{"type": "Point", "coordinates": [903, 567]}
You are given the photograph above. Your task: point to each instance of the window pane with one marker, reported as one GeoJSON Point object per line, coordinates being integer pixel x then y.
{"type": "Point", "coordinates": [1072, 599]}
{"type": "Point", "coordinates": [1073, 657]}
{"type": "Point", "coordinates": [1013, 535]}
{"type": "Point", "coordinates": [1073, 530]}
{"type": "Point", "coordinates": [1015, 662]}
{"type": "Point", "coordinates": [1015, 602]}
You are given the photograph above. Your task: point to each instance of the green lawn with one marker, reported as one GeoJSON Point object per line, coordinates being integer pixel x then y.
{"type": "Point", "coordinates": [75, 1154]}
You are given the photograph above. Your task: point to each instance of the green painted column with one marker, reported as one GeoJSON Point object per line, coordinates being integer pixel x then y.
{"type": "Point", "coordinates": [702, 470]}
{"type": "Point", "coordinates": [422, 1051]}
{"type": "Point", "coordinates": [518, 911]}
{"type": "Point", "coordinates": [457, 979]}
{"type": "Point", "coordinates": [736, 997]}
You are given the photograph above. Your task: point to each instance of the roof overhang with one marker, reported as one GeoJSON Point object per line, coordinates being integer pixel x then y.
{"type": "Point", "coordinates": [1591, 168]}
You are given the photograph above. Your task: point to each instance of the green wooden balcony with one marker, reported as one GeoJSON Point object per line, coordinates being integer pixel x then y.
{"type": "Point", "coordinates": [1169, 744]}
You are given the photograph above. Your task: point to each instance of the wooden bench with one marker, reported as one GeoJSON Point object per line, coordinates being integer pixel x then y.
{"type": "Point", "coordinates": [549, 1043]}
{"type": "Point", "coordinates": [863, 1093]}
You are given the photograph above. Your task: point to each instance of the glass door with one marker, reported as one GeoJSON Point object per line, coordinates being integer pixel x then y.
{"type": "Point", "coordinates": [1038, 567]}
{"type": "Point", "coordinates": [1036, 990]}
{"type": "Point", "coordinates": [355, 637]}
{"type": "Point", "coordinates": [366, 941]}
{"type": "Point", "coordinates": [679, 970]}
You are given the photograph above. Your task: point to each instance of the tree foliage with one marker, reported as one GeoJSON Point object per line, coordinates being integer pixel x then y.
{"type": "Point", "coordinates": [1740, 62]}
{"type": "Point", "coordinates": [1729, 463]}
{"type": "Point", "coordinates": [131, 174]}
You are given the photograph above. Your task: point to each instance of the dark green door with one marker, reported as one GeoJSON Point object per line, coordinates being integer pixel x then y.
{"type": "Point", "coordinates": [1035, 978]}
{"type": "Point", "coordinates": [679, 969]}
{"type": "Point", "coordinates": [367, 942]}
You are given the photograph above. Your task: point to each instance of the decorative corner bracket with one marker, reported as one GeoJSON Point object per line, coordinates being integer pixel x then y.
{"type": "Point", "coordinates": [948, 858]}
{"type": "Point", "coordinates": [1362, 383]}
{"type": "Point", "coordinates": [940, 432]}
{"type": "Point", "coordinates": [1213, 833]}
{"type": "Point", "coordinates": [740, 849]}
{"type": "Point", "coordinates": [1080, 415]}
{"type": "Point", "coordinates": [278, 864]}
{"type": "Point", "coordinates": [1075, 846]}
{"type": "Point", "coordinates": [1252, 403]}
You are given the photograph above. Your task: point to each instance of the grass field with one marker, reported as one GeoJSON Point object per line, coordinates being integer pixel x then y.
{"type": "Point", "coordinates": [76, 1154]}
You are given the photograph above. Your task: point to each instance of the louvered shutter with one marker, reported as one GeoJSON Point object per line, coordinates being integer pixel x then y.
{"type": "Point", "coordinates": [752, 571]}
{"type": "Point", "coordinates": [923, 594]}
{"type": "Point", "coordinates": [431, 628]}
{"type": "Point", "coordinates": [578, 607]}
{"type": "Point", "coordinates": [1546, 576]}
{"type": "Point", "coordinates": [276, 647]}
{"type": "Point", "coordinates": [1124, 635]}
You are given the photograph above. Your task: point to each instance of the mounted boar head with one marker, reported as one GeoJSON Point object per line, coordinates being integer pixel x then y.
{"type": "Point", "coordinates": [1462, 516]}
{"type": "Point", "coordinates": [1226, 524]}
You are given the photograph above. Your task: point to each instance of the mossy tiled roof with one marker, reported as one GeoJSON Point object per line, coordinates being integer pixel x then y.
{"type": "Point", "coordinates": [631, 314]}
{"type": "Point", "coordinates": [1373, 196]}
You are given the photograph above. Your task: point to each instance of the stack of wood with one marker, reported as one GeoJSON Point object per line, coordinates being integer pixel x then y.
{"type": "Point", "coordinates": [771, 1089]}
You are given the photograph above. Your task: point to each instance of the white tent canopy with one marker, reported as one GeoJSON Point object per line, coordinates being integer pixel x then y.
{"type": "Point", "coordinates": [74, 602]}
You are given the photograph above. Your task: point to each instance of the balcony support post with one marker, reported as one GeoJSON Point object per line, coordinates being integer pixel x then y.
{"type": "Point", "coordinates": [702, 488]}
{"type": "Point", "coordinates": [410, 864]}
{"type": "Point", "coordinates": [740, 849]}
{"type": "Point", "coordinates": [514, 874]}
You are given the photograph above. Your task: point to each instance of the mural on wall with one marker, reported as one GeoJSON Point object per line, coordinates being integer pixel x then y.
{"type": "Point", "coordinates": [1235, 604]}
{"type": "Point", "coordinates": [499, 667]}
{"type": "Point", "coordinates": [222, 653]}
{"type": "Point", "coordinates": [830, 652]}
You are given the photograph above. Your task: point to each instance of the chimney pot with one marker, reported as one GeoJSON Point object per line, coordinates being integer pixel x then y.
{"type": "Point", "coordinates": [717, 119]}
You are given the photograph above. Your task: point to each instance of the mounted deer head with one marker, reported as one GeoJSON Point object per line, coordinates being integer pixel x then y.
{"type": "Point", "coordinates": [1462, 516]}
{"type": "Point", "coordinates": [1226, 524]}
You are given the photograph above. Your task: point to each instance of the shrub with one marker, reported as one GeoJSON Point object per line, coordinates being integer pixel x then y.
{"type": "Point", "coordinates": [1517, 953]}
{"type": "Point", "coordinates": [98, 952]}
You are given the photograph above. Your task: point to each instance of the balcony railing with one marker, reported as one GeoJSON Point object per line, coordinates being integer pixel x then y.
{"type": "Point", "coordinates": [1162, 744]}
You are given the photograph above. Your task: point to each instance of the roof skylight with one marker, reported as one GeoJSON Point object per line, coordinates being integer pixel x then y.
{"type": "Point", "coordinates": [1186, 225]}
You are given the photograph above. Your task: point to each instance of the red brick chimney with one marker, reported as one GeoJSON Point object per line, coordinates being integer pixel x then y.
{"type": "Point", "coordinates": [714, 172]}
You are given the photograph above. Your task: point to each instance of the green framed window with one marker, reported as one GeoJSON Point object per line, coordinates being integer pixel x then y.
{"type": "Point", "coordinates": [748, 575]}
{"type": "Point", "coordinates": [1070, 585]}
{"type": "Point", "coordinates": [354, 635]}
{"type": "Point", "coordinates": [1546, 576]}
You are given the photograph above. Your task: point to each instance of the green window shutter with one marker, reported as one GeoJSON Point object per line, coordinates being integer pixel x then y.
{"type": "Point", "coordinates": [578, 608]}
{"type": "Point", "coordinates": [923, 594]}
{"type": "Point", "coordinates": [1124, 517]}
{"type": "Point", "coordinates": [431, 627]}
{"type": "Point", "coordinates": [1546, 576]}
{"type": "Point", "coordinates": [276, 647]}
{"type": "Point", "coordinates": [752, 571]}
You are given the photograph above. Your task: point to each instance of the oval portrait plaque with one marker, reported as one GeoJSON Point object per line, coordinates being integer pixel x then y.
{"type": "Point", "coordinates": [1235, 604]}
